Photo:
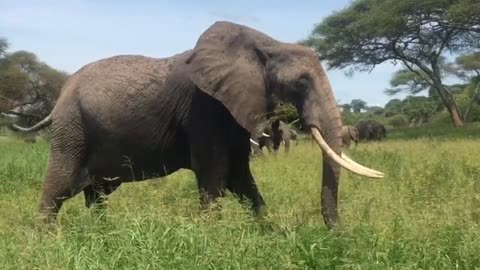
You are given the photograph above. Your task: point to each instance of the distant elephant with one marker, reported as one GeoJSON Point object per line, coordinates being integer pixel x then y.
{"type": "Point", "coordinates": [274, 133]}
{"type": "Point", "coordinates": [371, 130]}
{"type": "Point", "coordinates": [349, 134]}
{"type": "Point", "coordinates": [257, 144]}
{"type": "Point", "coordinates": [293, 136]}
{"type": "Point", "coordinates": [132, 118]}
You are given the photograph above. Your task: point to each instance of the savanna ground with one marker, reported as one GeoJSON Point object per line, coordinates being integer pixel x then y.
{"type": "Point", "coordinates": [424, 214]}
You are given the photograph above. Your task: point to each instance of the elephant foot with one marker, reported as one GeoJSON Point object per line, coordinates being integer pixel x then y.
{"type": "Point", "coordinates": [260, 212]}
{"type": "Point", "coordinates": [46, 218]}
{"type": "Point", "coordinates": [332, 221]}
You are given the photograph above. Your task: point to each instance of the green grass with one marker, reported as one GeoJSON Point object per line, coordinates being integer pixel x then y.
{"type": "Point", "coordinates": [425, 214]}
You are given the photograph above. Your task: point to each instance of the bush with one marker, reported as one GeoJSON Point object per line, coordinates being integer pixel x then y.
{"type": "Point", "coordinates": [398, 120]}
{"type": "Point", "coordinates": [441, 118]}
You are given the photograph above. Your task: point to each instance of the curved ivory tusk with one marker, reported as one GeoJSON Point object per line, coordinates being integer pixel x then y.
{"type": "Point", "coordinates": [265, 134]}
{"type": "Point", "coordinates": [349, 160]}
{"type": "Point", "coordinates": [254, 142]}
{"type": "Point", "coordinates": [347, 165]}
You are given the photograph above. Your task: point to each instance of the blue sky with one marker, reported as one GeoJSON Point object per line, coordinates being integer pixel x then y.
{"type": "Point", "coordinates": [70, 34]}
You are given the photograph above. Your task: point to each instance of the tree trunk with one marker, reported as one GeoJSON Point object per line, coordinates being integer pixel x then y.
{"type": "Point", "coordinates": [450, 104]}
{"type": "Point", "coordinates": [470, 104]}
{"type": "Point", "coordinates": [455, 114]}
{"type": "Point", "coordinates": [445, 95]}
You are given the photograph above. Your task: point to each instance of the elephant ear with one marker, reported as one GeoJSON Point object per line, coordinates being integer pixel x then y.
{"type": "Point", "coordinates": [228, 63]}
{"type": "Point", "coordinates": [351, 132]}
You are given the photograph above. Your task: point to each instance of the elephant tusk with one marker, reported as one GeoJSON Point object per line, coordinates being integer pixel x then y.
{"type": "Point", "coordinates": [349, 160]}
{"type": "Point", "coordinates": [254, 142]}
{"type": "Point", "coordinates": [360, 170]}
{"type": "Point", "coordinates": [265, 135]}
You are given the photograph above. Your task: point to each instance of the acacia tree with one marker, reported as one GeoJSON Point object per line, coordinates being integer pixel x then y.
{"type": "Point", "coordinates": [418, 109]}
{"type": "Point", "coordinates": [3, 46]}
{"type": "Point", "coordinates": [346, 107]}
{"type": "Point", "coordinates": [415, 33]}
{"type": "Point", "coordinates": [469, 69]}
{"type": "Point", "coordinates": [358, 105]}
{"type": "Point", "coordinates": [393, 107]}
{"type": "Point", "coordinates": [28, 87]}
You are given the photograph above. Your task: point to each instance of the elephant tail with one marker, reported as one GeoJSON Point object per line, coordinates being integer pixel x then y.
{"type": "Point", "coordinates": [42, 124]}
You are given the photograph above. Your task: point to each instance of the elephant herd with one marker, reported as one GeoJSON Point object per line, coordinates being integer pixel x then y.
{"type": "Point", "coordinates": [197, 110]}
{"type": "Point", "coordinates": [274, 133]}
{"type": "Point", "coordinates": [369, 130]}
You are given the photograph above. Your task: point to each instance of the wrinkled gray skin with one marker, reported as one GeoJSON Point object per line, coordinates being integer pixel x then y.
{"type": "Point", "coordinates": [131, 118]}
{"type": "Point", "coordinates": [279, 132]}
{"type": "Point", "coordinates": [349, 134]}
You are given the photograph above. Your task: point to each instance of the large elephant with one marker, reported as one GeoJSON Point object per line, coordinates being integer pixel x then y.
{"type": "Point", "coordinates": [371, 130]}
{"type": "Point", "coordinates": [131, 118]}
{"type": "Point", "coordinates": [349, 134]}
{"type": "Point", "coordinates": [274, 133]}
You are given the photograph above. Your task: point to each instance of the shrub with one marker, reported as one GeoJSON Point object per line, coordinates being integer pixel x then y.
{"type": "Point", "coordinates": [398, 120]}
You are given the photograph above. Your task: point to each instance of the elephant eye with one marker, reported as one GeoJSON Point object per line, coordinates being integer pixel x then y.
{"type": "Point", "coordinates": [303, 82]}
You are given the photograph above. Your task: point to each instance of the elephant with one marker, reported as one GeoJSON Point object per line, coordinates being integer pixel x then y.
{"type": "Point", "coordinates": [131, 118]}
{"type": "Point", "coordinates": [371, 130]}
{"type": "Point", "coordinates": [257, 144]}
{"type": "Point", "coordinates": [274, 133]}
{"type": "Point", "coordinates": [349, 134]}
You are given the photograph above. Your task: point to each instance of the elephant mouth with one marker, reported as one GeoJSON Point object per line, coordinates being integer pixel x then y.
{"type": "Point", "coordinates": [343, 160]}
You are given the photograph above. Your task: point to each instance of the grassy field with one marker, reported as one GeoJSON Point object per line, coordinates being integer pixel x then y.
{"type": "Point", "coordinates": [424, 215]}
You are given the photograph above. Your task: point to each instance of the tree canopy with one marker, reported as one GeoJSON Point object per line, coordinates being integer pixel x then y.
{"type": "Point", "coordinates": [3, 46]}
{"type": "Point", "coordinates": [417, 34]}
{"type": "Point", "coordinates": [28, 87]}
{"type": "Point", "coordinates": [468, 68]}
{"type": "Point", "coordinates": [358, 105]}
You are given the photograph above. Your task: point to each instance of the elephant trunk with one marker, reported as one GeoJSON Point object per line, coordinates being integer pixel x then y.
{"type": "Point", "coordinates": [323, 118]}
{"type": "Point", "coordinates": [321, 114]}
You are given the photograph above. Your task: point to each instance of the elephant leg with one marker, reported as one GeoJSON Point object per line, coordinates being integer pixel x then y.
{"type": "Point", "coordinates": [211, 171]}
{"type": "Point", "coordinates": [96, 195]}
{"type": "Point", "coordinates": [64, 179]}
{"type": "Point", "coordinates": [270, 146]}
{"type": "Point", "coordinates": [241, 182]}
{"type": "Point", "coordinates": [287, 146]}
{"type": "Point", "coordinates": [257, 151]}
{"type": "Point", "coordinates": [347, 143]}
{"type": "Point", "coordinates": [209, 151]}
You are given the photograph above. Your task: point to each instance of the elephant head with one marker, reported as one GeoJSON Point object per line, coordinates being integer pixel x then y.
{"type": "Point", "coordinates": [282, 133]}
{"type": "Point", "coordinates": [274, 132]}
{"type": "Point", "coordinates": [349, 134]}
{"type": "Point", "coordinates": [246, 70]}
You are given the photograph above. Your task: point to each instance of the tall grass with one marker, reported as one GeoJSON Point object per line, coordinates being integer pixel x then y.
{"type": "Point", "coordinates": [424, 214]}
